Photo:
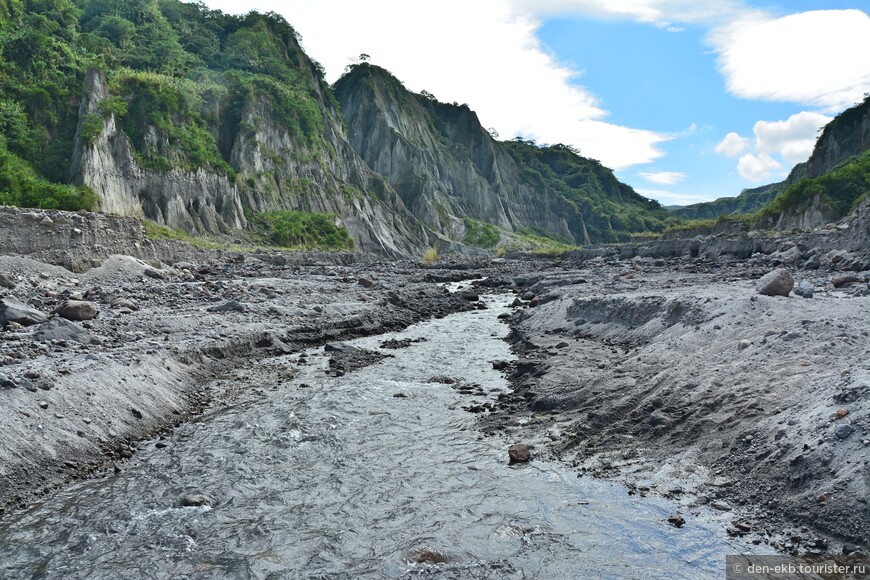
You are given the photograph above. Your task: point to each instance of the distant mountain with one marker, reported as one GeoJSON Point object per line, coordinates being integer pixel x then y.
{"type": "Point", "coordinates": [749, 200]}
{"type": "Point", "coordinates": [824, 188]}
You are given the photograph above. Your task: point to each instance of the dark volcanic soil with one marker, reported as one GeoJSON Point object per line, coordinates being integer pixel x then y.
{"type": "Point", "coordinates": [677, 377]}
{"type": "Point", "coordinates": [671, 374]}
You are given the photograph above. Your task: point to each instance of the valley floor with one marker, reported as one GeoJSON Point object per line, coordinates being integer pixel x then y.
{"type": "Point", "coordinates": [672, 375]}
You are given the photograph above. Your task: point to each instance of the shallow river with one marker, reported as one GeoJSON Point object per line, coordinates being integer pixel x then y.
{"type": "Point", "coordinates": [345, 480]}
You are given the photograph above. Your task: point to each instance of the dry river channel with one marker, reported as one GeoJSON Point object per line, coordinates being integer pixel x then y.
{"type": "Point", "coordinates": [379, 473]}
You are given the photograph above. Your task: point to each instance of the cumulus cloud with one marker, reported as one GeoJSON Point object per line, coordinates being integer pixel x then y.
{"type": "Point", "coordinates": [663, 177]}
{"type": "Point", "coordinates": [819, 58]}
{"type": "Point", "coordinates": [732, 145]}
{"type": "Point", "coordinates": [484, 53]}
{"type": "Point", "coordinates": [793, 138]}
{"type": "Point", "coordinates": [758, 168]}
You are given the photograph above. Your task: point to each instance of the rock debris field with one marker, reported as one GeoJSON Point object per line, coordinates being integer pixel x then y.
{"type": "Point", "coordinates": [679, 376]}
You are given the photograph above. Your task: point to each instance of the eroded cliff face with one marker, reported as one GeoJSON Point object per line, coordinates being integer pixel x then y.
{"type": "Point", "coordinates": [440, 159]}
{"type": "Point", "coordinates": [274, 169]}
{"type": "Point", "coordinates": [847, 135]}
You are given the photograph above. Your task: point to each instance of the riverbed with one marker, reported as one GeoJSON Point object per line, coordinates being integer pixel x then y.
{"type": "Point", "coordinates": [379, 473]}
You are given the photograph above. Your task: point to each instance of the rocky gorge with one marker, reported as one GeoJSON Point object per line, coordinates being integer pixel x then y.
{"type": "Point", "coordinates": [658, 365]}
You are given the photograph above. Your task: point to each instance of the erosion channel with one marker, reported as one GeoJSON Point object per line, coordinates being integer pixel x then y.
{"type": "Point", "coordinates": [379, 473]}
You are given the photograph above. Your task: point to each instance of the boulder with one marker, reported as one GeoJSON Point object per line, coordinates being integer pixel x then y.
{"type": "Point", "coordinates": [366, 282]}
{"type": "Point", "coordinates": [776, 283]}
{"type": "Point", "coordinates": [60, 329]}
{"type": "Point", "coordinates": [231, 306]}
{"type": "Point", "coordinates": [519, 453]}
{"type": "Point", "coordinates": [469, 295]}
{"type": "Point", "coordinates": [7, 281]}
{"type": "Point", "coordinates": [11, 310]}
{"type": "Point", "coordinates": [805, 289]}
{"type": "Point", "coordinates": [77, 310]}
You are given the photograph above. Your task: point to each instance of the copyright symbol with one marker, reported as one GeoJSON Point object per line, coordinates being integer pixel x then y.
{"type": "Point", "coordinates": [738, 568]}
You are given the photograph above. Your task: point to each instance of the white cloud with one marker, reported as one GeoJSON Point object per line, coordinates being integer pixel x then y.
{"type": "Point", "coordinates": [819, 58]}
{"type": "Point", "coordinates": [670, 198]}
{"type": "Point", "coordinates": [662, 13]}
{"type": "Point", "coordinates": [732, 145]}
{"type": "Point", "coordinates": [664, 177]}
{"type": "Point", "coordinates": [484, 53]}
{"type": "Point", "coordinates": [793, 138]}
{"type": "Point", "coordinates": [758, 168]}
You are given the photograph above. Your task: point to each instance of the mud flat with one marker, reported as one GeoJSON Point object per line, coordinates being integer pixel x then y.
{"type": "Point", "coordinates": [679, 378]}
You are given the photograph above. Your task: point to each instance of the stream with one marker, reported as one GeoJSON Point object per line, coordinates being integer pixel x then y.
{"type": "Point", "coordinates": [344, 479]}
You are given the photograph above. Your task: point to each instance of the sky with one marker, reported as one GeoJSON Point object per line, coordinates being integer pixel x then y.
{"type": "Point", "coordinates": [687, 100]}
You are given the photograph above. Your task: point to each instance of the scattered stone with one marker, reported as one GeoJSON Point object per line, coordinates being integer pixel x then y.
{"type": "Point", "coordinates": [341, 347]}
{"type": "Point", "coordinates": [7, 281]}
{"type": "Point", "coordinates": [469, 295]}
{"type": "Point", "coordinates": [850, 549]}
{"type": "Point", "coordinates": [120, 303]}
{"type": "Point", "coordinates": [231, 306]}
{"type": "Point", "coordinates": [400, 396]}
{"type": "Point", "coordinates": [676, 521]}
{"type": "Point", "coordinates": [743, 527]}
{"type": "Point", "coordinates": [196, 500]}
{"type": "Point", "coordinates": [500, 365]}
{"type": "Point", "coordinates": [365, 282]}
{"type": "Point", "coordinates": [527, 295]}
{"type": "Point", "coordinates": [43, 404]}
{"type": "Point", "coordinates": [534, 302]}
{"type": "Point", "coordinates": [841, 281]}
{"type": "Point", "coordinates": [7, 383]}
{"type": "Point", "coordinates": [805, 289]}
{"type": "Point", "coordinates": [720, 505]}
{"type": "Point", "coordinates": [154, 273]}
{"type": "Point", "coordinates": [77, 310]}
{"type": "Point", "coordinates": [11, 310]}
{"type": "Point", "coordinates": [519, 453]}
{"type": "Point", "coordinates": [743, 344]}
{"type": "Point", "coordinates": [136, 412]}
{"type": "Point", "coordinates": [842, 413]}
{"type": "Point", "coordinates": [844, 431]}
{"type": "Point", "coordinates": [813, 263]}
{"type": "Point", "coordinates": [776, 283]}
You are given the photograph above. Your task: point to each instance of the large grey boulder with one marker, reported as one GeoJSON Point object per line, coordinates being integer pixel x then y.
{"type": "Point", "coordinates": [776, 283]}
{"type": "Point", "coordinates": [60, 329]}
{"type": "Point", "coordinates": [78, 310]}
{"type": "Point", "coordinates": [12, 310]}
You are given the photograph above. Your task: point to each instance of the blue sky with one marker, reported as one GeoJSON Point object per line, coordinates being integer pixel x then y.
{"type": "Point", "coordinates": [687, 100]}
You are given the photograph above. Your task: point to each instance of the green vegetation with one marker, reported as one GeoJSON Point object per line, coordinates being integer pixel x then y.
{"type": "Point", "coordinates": [181, 77]}
{"type": "Point", "coordinates": [156, 231]}
{"type": "Point", "coordinates": [480, 234]}
{"type": "Point", "coordinates": [842, 189]}
{"type": "Point", "coordinates": [543, 241]}
{"type": "Point", "coordinates": [296, 229]}
{"type": "Point", "coordinates": [593, 198]}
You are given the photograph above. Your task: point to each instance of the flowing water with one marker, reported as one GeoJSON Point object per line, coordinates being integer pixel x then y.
{"type": "Point", "coordinates": [345, 480]}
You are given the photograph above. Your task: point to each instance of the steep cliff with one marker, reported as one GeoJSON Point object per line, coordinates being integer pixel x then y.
{"type": "Point", "coordinates": [448, 168]}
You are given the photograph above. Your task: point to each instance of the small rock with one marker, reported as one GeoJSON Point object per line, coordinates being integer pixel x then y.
{"type": "Point", "coordinates": [365, 282]}
{"type": "Point", "coordinates": [804, 289]}
{"type": "Point", "coordinates": [43, 404]}
{"type": "Point", "coordinates": [776, 283]}
{"type": "Point", "coordinates": [519, 453]}
{"type": "Point", "coordinates": [676, 521]}
{"type": "Point", "coordinates": [136, 412]}
{"type": "Point", "coordinates": [231, 306]}
{"type": "Point", "coordinates": [720, 505]}
{"type": "Point", "coordinates": [7, 383]}
{"type": "Point", "coordinates": [154, 273]}
{"type": "Point", "coordinates": [841, 281]}
{"type": "Point", "coordinates": [469, 295]}
{"type": "Point", "coordinates": [500, 365]}
{"type": "Point", "coordinates": [527, 295]}
{"type": "Point", "coordinates": [743, 527]}
{"type": "Point", "coordinates": [840, 414]}
{"type": "Point", "coordinates": [78, 310]}
{"type": "Point", "coordinates": [534, 302]}
{"type": "Point", "coordinates": [340, 347]}
{"type": "Point", "coordinates": [7, 281]}
{"type": "Point", "coordinates": [813, 263]}
{"type": "Point", "coordinates": [850, 549]}
{"type": "Point", "coordinates": [843, 431]}
{"type": "Point", "coordinates": [743, 344]}
{"type": "Point", "coordinates": [195, 500]}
